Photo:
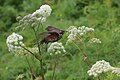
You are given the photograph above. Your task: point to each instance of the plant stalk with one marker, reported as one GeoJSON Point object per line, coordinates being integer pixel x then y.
{"type": "Point", "coordinates": [41, 61]}
{"type": "Point", "coordinates": [31, 53]}
{"type": "Point", "coordinates": [31, 70]}
{"type": "Point", "coordinates": [54, 69]}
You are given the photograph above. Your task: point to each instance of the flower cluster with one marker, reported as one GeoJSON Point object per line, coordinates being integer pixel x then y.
{"type": "Point", "coordinates": [102, 66]}
{"type": "Point", "coordinates": [56, 48]}
{"type": "Point", "coordinates": [14, 42]}
{"type": "Point", "coordinates": [45, 11]}
{"type": "Point", "coordinates": [77, 31]}
{"type": "Point", "coordinates": [116, 71]}
{"type": "Point", "coordinates": [36, 17]}
{"type": "Point", "coordinates": [99, 67]}
{"type": "Point", "coordinates": [73, 33]}
{"type": "Point", "coordinates": [83, 30]}
{"type": "Point", "coordinates": [94, 40]}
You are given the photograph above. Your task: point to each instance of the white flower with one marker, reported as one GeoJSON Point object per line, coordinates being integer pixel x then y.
{"type": "Point", "coordinates": [94, 40]}
{"type": "Point", "coordinates": [99, 67]}
{"type": "Point", "coordinates": [71, 27]}
{"type": "Point", "coordinates": [116, 71]}
{"type": "Point", "coordinates": [89, 29]}
{"type": "Point", "coordinates": [14, 41]}
{"type": "Point", "coordinates": [71, 37]}
{"type": "Point", "coordinates": [33, 19]}
{"type": "Point", "coordinates": [84, 29]}
{"type": "Point", "coordinates": [42, 19]}
{"type": "Point", "coordinates": [56, 48]}
{"type": "Point", "coordinates": [74, 32]}
{"type": "Point", "coordinates": [102, 66]}
{"type": "Point", "coordinates": [45, 10]}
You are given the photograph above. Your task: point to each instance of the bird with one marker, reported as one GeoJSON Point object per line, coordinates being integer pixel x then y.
{"type": "Point", "coordinates": [54, 34]}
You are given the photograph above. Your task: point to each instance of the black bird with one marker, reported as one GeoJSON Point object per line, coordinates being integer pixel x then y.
{"type": "Point", "coordinates": [54, 34]}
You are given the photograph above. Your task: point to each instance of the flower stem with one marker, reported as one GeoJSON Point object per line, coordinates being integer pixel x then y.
{"type": "Point", "coordinates": [37, 28]}
{"type": "Point", "coordinates": [42, 26]}
{"type": "Point", "coordinates": [98, 78]}
{"type": "Point", "coordinates": [39, 23]}
{"type": "Point", "coordinates": [31, 70]}
{"type": "Point", "coordinates": [53, 75]}
{"type": "Point", "coordinates": [84, 54]}
{"type": "Point", "coordinates": [37, 57]}
{"type": "Point", "coordinates": [41, 61]}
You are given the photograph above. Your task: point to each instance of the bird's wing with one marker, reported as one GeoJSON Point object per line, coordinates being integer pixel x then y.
{"type": "Point", "coordinates": [50, 38]}
{"type": "Point", "coordinates": [48, 33]}
{"type": "Point", "coordinates": [51, 28]}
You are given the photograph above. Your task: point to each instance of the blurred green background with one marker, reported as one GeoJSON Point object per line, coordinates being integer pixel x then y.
{"type": "Point", "coordinates": [102, 15]}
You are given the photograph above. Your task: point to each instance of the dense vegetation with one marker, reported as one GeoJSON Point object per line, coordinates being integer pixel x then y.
{"type": "Point", "coordinates": [102, 15]}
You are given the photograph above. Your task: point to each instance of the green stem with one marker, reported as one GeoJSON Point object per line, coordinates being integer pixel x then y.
{"type": "Point", "coordinates": [84, 54]}
{"type": "Point", "coordinates": [38, 25]}
{"type": "Point", "coordinates": [31, 53]}
{"type": "Point", "coordinates": [97, 52]}
{"type": "Point", "coordinates": [38, 44]}
{"type": "Point", "coordinates": [42, 26]}
{"type": "Point", "coordinates": [41, 61]}
{"type": "Point", "coordinates": [88, 61]}
{"type": "Point", "coordinates": [53, 75]}
{"type": "Point", "coordinates": [98, 78]}
{"type": "Point", "coordinates": [31, 70]}
{"type": "Point", "coordinates": [77, 46]}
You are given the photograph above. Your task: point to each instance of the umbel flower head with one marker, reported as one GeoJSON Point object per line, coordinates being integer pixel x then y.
{"type": "Point", "coordinates": [102, 66]}
{"type": "Point", "coordinates": [74, 32]}
{"type": "Point", "coordinates": [36, 17]}
{"type": "Point", "coordinates": [14, 42]}
{"type": "Point", "coordinates": [95, 40]}
{"type": "Point", "coordinates": [45, 11]}
{"type": "Point", "coordinates": [83, 30]}
{"type": "Point", "coordinates": [99, 67]}
{"type": "Point", "coordinates": [56, 48]}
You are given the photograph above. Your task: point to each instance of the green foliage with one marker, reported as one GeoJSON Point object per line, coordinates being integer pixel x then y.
{"type": "Point", "coordinates": [103, 15]}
